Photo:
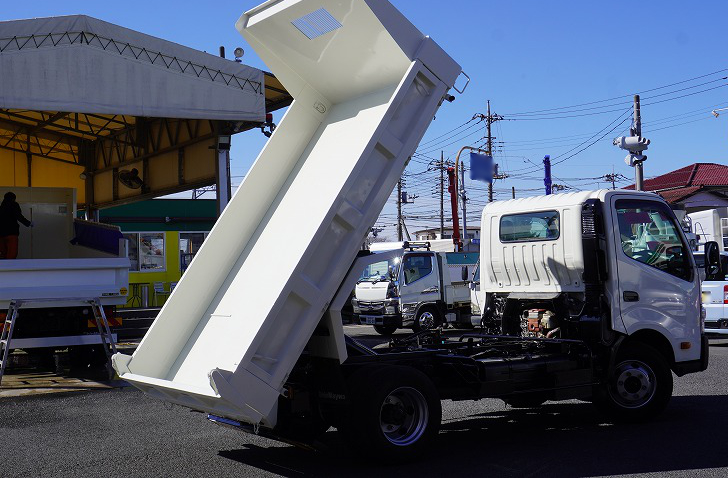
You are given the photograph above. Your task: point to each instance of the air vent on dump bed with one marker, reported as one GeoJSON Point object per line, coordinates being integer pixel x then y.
{"type": "Point", "coordinates": [316, 23]}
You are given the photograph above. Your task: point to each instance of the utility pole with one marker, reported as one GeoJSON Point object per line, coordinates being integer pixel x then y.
{"type": "Point", "coordinates": [637, 131]}
{"type": "Point", "coordinates": [613, 178]}
{"type": "Point", "coordinates": [489, 120]}
{"type": "Point", "coordinates": [465, 208]}
{"type": "Point", "coordinates": [635, 145]}
{"type": "Point", "coordinates": [490, 152]}
{"type": "Point", "coordinates": [399, 209]}
{"type": "Point", "coordinates": [513, 192]}
{"type": "Point", "coordinates": [441, 166]}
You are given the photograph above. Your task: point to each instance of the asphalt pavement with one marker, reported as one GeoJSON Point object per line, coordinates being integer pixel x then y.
{"type": "Point", "coordinates": [122, 433]}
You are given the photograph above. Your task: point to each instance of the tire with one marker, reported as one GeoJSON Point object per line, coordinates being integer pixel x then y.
{"type": "Point", "coordinates": [534, 401]}
{"type": "Point", "coordinates": [427, 318]}
{"type": "Point", "coordinates": [638, 388]}
{"type": "Point", "coordinates": [386, 330]}
{"type": "Point", "coordinates": [395, 413]}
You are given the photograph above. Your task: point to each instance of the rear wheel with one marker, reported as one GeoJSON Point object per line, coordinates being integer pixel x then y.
{"type": "Point", "coordinates": [426, 318]}
{"type": "Point", "coordinates": [395, 412]}
{"type": "Point", "coordinates": [385, 329]}
{"type": "Point", "coordinates": [639, 387]}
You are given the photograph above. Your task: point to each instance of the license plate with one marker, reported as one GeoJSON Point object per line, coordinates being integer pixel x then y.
{"type": "Point", "coordinates": [370, 320]}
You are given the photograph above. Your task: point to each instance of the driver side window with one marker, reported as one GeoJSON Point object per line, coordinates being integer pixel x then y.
{"type": "Point", "coordinates": [416, 266]}
{"type": "Point", "coordinates": [649, 234]}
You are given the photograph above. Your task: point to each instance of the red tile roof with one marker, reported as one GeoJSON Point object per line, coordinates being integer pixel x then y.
{"type": "Point", "coordinates": [681, 183]}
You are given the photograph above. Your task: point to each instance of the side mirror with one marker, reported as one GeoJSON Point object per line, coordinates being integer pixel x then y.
{"type": "Point", "coordinates": [712, 259]}
{"type": "Point", "coordinates": [464, 273]}
{"type": "Point", "coordinates": [391, 272]}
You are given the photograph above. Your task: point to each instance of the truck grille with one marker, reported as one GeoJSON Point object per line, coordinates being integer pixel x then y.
{"type": "Point", "coordinates": [370, 306]}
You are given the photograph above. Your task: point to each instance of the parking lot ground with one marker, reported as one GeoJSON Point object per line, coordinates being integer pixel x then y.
{"type": "Point", "coordinates": [21, 379]}
{"type": "Point", "coordinates": [33, 382]}
{"type": "Point", "coordinates": [121, 432]}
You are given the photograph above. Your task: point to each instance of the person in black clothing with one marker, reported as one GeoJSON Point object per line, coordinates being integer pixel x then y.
{"type": "Point", "coordinates": [10, 214]}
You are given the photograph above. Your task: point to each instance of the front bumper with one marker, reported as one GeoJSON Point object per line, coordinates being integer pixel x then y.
{"type": "Point", "coordinates": [385, 320]}
{"type": "Point", "coordinates": [385, 312]}
{"type": "Point", "coordinates": [718, 327]}
{"type": "Point", "coordinates": [693, 366]}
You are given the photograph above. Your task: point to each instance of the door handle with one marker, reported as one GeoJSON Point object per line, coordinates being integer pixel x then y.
{"type": "Point", "coordinates": [630, 296]}
{"type": "Point", "coordinates": [430, 290]}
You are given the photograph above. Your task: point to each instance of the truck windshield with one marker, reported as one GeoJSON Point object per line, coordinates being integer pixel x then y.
{"type": "Point", "coordinates": [379, 271]}
{"type": "Point", "coordinates": [649, 234]}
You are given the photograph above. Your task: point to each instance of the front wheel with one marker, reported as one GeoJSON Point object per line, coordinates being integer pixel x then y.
{"type": "Point", "coordinates": [638, 388]}
{"type": "Point", "coordinates": [395, 412]}
{"type": "Point", "coordinates": [385, 330]}
{"type": "Point", "coordinates": [427, 318]}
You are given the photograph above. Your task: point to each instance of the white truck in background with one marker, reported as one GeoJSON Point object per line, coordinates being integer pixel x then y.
{"type": "Point", "coordinates": [715, 296]}
{"type": "Point", "coordinates": [63, 263]}
{"type": "Point", "coordinates": [418, 289]}
{"type": "Point", "coordinates": [577, 304]}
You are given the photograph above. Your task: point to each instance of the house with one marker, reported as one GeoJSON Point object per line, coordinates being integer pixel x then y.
{"type": "Point", "coordinates": [699, 191]}
{"type": "Point", "coordinates": [695, 187]}
{"type": "Point", "coordinates": [433, 233]}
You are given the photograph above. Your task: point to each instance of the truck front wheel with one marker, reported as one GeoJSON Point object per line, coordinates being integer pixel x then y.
{"type": "Point", "coordinates": [385, 330]}
{"type": "Point", "coordinates": [395, 413]}
{"type": "Point", "coordinates": [639, 387]}
{"type": "Point", "coordinates": [426, 318]}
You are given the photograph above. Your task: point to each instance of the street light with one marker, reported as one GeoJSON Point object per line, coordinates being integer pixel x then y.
{"type": "Point", "coordinates": [715, 112]}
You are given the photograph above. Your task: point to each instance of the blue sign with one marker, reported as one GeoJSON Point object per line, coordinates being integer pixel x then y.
{"type": "Point", "coordinates": [481, 167]}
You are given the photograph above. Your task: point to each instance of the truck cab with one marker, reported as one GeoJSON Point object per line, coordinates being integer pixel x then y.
{"type": "Point", "coordinates": [419, 289]}
{"type": "Point", "coordinates": [619, 257]}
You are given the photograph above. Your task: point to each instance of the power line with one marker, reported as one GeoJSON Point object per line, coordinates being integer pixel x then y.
{"type": "Point", "coordinates": [621, 96]}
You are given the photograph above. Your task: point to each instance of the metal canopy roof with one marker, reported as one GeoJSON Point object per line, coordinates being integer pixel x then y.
{"type": "Point", "coordinates": [80, 95]}
{"type": "Point", "coordinates": [82, 64]}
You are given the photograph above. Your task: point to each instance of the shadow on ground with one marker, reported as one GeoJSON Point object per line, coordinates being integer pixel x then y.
{"type": "Point", "coordinates": [560, 439]}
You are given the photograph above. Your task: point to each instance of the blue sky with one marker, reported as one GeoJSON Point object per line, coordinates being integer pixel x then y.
{"type": "Point", "coordinates": [522, 56]}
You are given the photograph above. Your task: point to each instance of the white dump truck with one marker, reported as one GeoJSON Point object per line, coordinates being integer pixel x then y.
{"type": "Point", "coordinates": [419, 289]}
{"type": "Point", "coordinates": [259, 345]}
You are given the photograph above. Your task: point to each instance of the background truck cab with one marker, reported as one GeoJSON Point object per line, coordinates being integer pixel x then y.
{"type": "Point", "coordinates": [418, 289]}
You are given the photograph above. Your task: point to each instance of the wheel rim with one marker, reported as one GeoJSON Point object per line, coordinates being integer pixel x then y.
{"type": "Point", "coordinates": [634, 384]}
{"type": "Point", "coordinates": [403, 416]}
{"type": "Point", "coordinates": [426, 320]}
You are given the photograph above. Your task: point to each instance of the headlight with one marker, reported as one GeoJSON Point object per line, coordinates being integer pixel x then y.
{"type": "Point", "coordinates": [408, 307]}
{"type": "Point", "coordinates": [391, 310]}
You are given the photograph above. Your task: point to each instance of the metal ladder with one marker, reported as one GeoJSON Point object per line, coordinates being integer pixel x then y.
{"type": "Point", "coordinates": [7, 335]}
{"type": "Point", "coordinates": [107, 339]}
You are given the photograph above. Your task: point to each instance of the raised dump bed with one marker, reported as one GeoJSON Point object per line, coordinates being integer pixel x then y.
{"type": "Point", "coordinates": [366, 85]}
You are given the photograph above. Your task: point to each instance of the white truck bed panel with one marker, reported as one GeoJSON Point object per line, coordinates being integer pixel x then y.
{"type": "Point", "coordinates": [239, 319]}
{"type": "Point", "coordinates": [105, 278]}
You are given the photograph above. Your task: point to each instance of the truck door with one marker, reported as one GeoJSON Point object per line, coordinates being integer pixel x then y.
{"type": "Point", "coordinates": [655, 272]}
{"type": "Point", "coordinates": [420, 278]}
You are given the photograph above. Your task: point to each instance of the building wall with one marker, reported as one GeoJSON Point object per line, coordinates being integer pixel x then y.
{"type": "Point", "coordinates": [169, 217]}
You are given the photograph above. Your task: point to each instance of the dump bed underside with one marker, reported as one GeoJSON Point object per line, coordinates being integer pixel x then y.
{"type": "Point", "coordinates": [365, 92]}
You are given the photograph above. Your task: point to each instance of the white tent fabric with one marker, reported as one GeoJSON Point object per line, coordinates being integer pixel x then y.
{"type": "Point", "coordinates": [84, 65]}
